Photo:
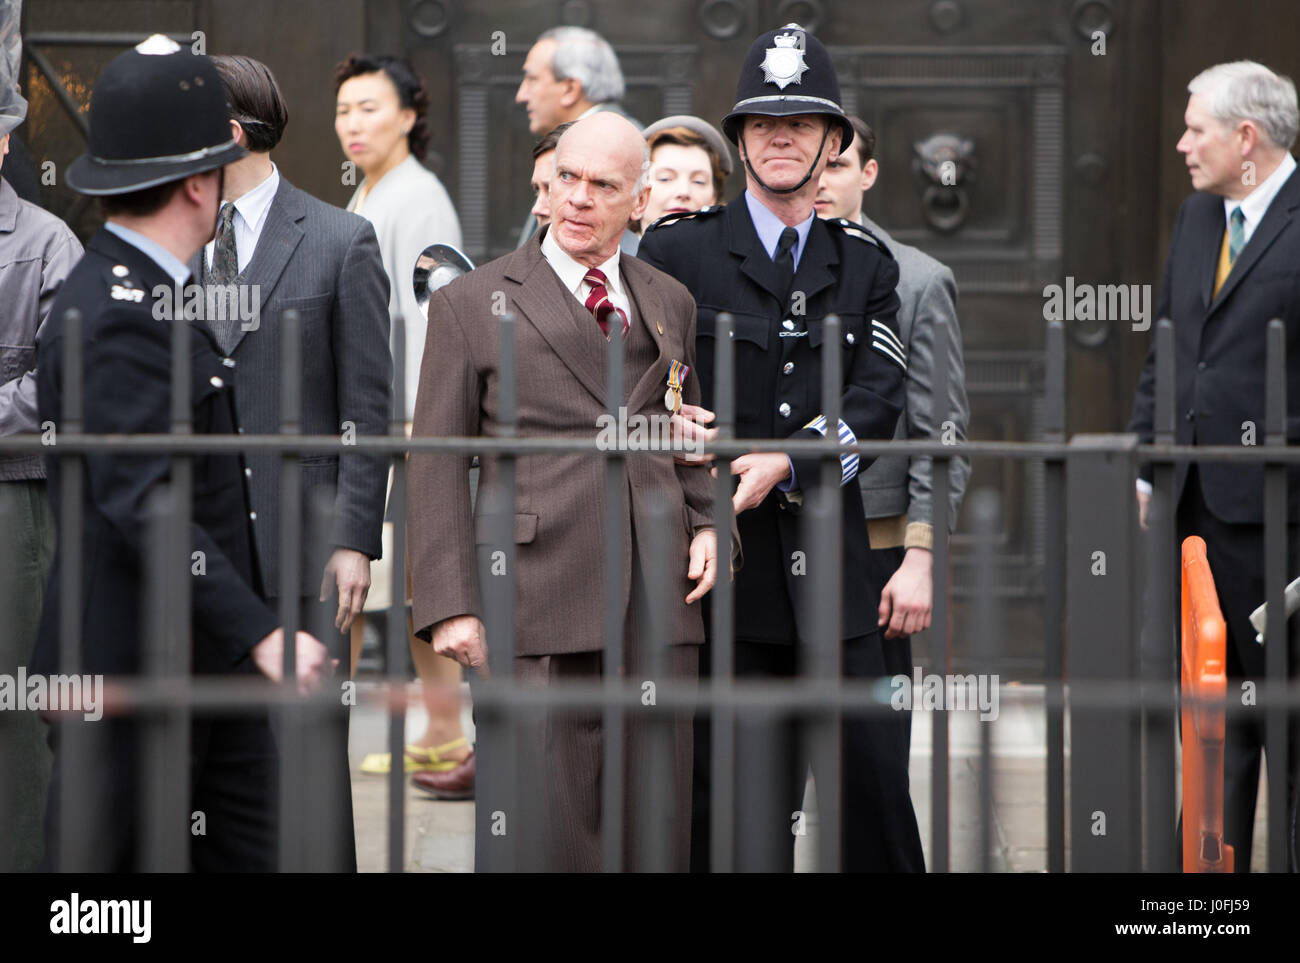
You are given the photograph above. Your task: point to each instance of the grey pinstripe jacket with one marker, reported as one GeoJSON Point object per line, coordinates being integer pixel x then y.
{"type": "Point", "coordinates": [325, 263]}
{"type": "Point", "coordinates": [894, 484]}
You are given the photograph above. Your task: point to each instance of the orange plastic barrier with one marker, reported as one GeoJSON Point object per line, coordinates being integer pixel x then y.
{"type": "Point", "coordinates": [1204, 692]}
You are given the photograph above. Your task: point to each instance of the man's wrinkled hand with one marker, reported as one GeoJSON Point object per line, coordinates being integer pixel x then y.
{"type": "Point", "coordinates": [908, 596]}
{"type": "Point", "coordinates": [688, 434]}
{"type": "Point", "coordinates": [703, 563]}
{"type": "Point", "coordinates": [462, 638]}
{"type": "Point", "coordinates": [349, 570]}
{"type": "Point", "coordinates": [312, 660]}
{"type": "Point", "coordinates": [759, 474]}
{"type": "Point", "coordinates": [1144, 508]}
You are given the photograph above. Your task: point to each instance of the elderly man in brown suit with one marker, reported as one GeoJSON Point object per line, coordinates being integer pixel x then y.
{"type": "Point", "coordinates": [569, 290]}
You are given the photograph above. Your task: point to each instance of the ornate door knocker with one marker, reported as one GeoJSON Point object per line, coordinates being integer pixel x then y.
{"type": "Point", "coordinates": [944, 164]}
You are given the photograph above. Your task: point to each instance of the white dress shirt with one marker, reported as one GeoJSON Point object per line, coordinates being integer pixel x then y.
{"type": "Point", "coordinates": [571, 275]}
{"type": "Point", "coordinates": [250, 217]}
{"type": "Point", "coordinates": [1256, 203]}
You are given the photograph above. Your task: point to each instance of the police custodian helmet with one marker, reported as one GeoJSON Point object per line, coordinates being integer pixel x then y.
{"type": "Point", "coordinates": [158, 113]}
{"type": "Point", "coordinates": [786, 72]}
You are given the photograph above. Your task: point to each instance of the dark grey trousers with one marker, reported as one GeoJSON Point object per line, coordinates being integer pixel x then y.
{"type": "Point", "coordinates": [26, 551]}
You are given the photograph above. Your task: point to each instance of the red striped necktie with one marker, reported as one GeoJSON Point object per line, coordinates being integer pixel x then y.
{"type": "Point", "coordinates": [599, 304]}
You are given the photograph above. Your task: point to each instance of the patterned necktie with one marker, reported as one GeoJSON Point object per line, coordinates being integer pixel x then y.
{"type": "Point", "coordinates": [1236, 234]}
{"type": "Point", "coordinates": [225, 259]}
{"type": "Point", "coordinates": [784, 259]}
{"type": "Point", "coordinates": [599, 304]}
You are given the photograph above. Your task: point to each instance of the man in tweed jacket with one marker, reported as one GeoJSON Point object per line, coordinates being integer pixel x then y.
{"type": "Point", "coordinates": [557, 286]}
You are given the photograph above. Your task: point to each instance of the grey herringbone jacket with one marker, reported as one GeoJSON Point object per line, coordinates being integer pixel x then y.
{"type": "Point", "coordinates": [37, 250]}
{"type": "Point", "coordinates": [894, 484]}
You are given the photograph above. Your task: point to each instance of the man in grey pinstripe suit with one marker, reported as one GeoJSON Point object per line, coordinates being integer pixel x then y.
{"type": "Point", "coordinates": [292, 251]}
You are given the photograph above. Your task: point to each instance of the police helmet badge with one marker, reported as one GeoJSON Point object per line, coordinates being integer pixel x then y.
{"type": "Point", "coordinates": [784, 63]}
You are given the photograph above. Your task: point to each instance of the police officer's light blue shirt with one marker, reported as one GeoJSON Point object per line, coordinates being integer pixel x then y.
{"type": "Point", "coordinates": [164, 258]}
{"type": "Point", "coordinates": [769, 228]}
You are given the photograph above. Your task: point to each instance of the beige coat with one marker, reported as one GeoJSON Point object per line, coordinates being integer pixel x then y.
{"type": "Point", "coordinates": [560, 499]}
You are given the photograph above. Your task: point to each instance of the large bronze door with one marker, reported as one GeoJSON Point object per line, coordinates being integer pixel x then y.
{"type": "Point", "coordinates": [1024, 98]}
{"type": "Point", "coordinates": [1058, 116]}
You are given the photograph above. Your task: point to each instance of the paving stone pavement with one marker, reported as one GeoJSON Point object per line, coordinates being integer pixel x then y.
{"type": "Point", "coordinates": [439, 835]}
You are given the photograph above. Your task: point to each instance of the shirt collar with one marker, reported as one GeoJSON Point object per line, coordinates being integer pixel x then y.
{"type": "Point", "coordinates": [254, 204]}
{"type": "Point", "coordinates": [572, 273]}
{"type": "Point", "coordinates": [164, 258]}
{"type": "Point", "coordinates": [1255, 205]}
{"type": "Point", "coordinates": [769, 227]}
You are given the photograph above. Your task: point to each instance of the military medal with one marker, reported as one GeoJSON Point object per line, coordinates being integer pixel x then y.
{"type": "Point", "coordinates": [673, 396]}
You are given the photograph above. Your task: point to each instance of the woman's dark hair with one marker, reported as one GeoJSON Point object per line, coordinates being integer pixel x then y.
{"type": "Point", "coordinates": [411, 91]}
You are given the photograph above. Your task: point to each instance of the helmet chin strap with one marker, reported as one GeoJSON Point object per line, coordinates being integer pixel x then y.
{"type": "Point", "coordinates": [787, 190]}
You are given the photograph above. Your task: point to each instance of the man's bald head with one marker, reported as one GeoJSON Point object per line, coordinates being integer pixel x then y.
{"type": "Point", "coordinates": [615, 136]}
{"type": "Point", "coordinates": [602, 168]}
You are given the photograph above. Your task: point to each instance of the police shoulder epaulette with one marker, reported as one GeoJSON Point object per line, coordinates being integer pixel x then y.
{"type": "Point", "coordinates": [853, 229]}
{"type": "Point", "coordinates": [678, 215]}
{"type": "Point", "coordinates": [122, 286]}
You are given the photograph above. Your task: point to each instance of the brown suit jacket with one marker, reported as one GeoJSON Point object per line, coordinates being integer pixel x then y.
{"type": "Point", "coordinates": [559, 499]}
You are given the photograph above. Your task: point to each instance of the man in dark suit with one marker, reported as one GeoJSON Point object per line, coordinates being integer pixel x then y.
{"type": "Point", "coordinates": [780, 270]}
{"type": "Point", "coordinates": [296, 252]}
{"type": "Point", "coordinates": [158, 172]}
{"type": "Point", "coordinates": [568, 288]}
{"type": "Point", "coordinates": [1232, 267]}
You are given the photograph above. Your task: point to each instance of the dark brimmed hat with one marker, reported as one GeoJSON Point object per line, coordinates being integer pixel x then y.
{"type": "Point", "coordinates": [158, 113]}
{"type": "Point", "coordinates": [696, 125]}
{"type": "Point", "coordinates": [786, 72]}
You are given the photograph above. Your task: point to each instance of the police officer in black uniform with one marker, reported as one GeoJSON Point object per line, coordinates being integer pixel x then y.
{"type": "Point", "coordinates": [158, 140]}
{"type": "Point", "coordinates": [779, 270]}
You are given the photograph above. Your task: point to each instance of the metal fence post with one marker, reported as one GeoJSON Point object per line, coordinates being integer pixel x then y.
{"type": "Point", "coordinates": [1102, 570]}
{"type": "Point", "coordinates": [1159, 640]}
{"type": "Point", "coordinates": [1276, 577]}
{"type": "Point", "coordinates": [1054, 594]}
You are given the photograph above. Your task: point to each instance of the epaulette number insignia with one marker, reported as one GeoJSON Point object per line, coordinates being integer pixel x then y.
{"type": "Point", "coordinates": [120, 293]}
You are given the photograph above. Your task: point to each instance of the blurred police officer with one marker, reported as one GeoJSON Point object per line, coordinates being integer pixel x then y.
{"type": "Point", "coordinates": [158, 140]}
{"type": "Point", "coordinates": [779, 270]}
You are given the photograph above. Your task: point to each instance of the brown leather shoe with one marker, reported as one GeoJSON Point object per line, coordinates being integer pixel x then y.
{"type": "Point", "coordinates": [456, 784]}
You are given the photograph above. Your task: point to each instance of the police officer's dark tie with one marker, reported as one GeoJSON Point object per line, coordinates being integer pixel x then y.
{"type": "Point", "coordinates": [784, 259]}
{"type": "Point", "coordinates": [225, 258]}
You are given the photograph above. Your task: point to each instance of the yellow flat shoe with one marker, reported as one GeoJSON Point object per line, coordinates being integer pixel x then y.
{"type": "Point", "coordinates": [418, 759]}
